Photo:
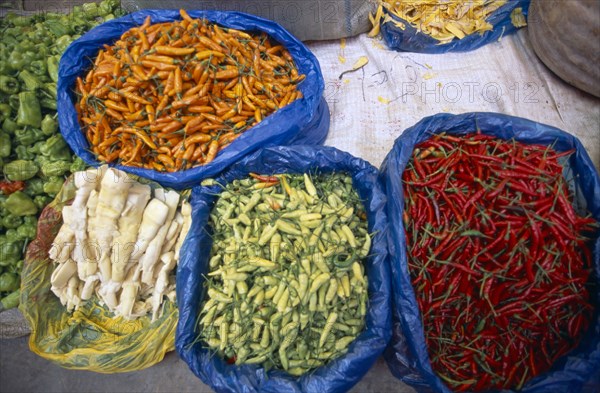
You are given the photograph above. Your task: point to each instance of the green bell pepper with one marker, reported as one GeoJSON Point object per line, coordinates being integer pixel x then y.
{"type": "Point", "coordinates": [79, 26]}
{"type": "Point", "coordinates": [13, 101]}
{"type": "Point", "coordinates": [52, 65]}
{"type": "Point", "coordinates": [19, 59]}
{"type": "Point", "coordinates": [20, 204]}
{"type": "Point", "coordinates": [57, 27]}
{"type": "Point", "coordinates": [107, 6]}
{"type": "Point", "coordinates": [5, 146]}
{"type": "Point", "coordinates": [41, 201]}
{"type": "Point", "coordinates": [78, 165]}
{"type": "Point", "coordinates": [9, 282]}
{"type": "Point", "coordinates": [28, 136]}
{"type": "Point", "coordinates": [8, 84]}
{"type": "Point", "coordinates": [30, 220]}
{"type": "Point", "coordinates": [49, 125]}
{"type": "Point", "coordinates": [11, 221]}
{"type": "Point", "coordinates": [49, 89]}
{"type": "Point", "coordinates": [27, 45]}
{"type": "Point", "coordinates": [55, 148]}
{"type": "Point", "coordinates": [56, 168]}
{"type": "Point", "coordinates": [24, 153]}
{"type": "Point", "coordinates": [41, 36]}
{"type": "Point", "coordinates": [30, 112]}
{"type": "Point", "coordinates": [18, 20]}
{"type": "Point", "coordinates": [53, 185]}
{"type": "Point", "coordinates": [34, 187]}
{"type": "Point", "coordinates": [62, 43]}
{"type": "Point", "coordinates": [10, 251]}
{"type": "Point", "coordinates": [35, 149]}
{"type": "Point", "coordinates": [20, 170]}
{"type": "Point", "coordinates": [9, 126]}
{"type": "Point", "coordinates": [31, 81]}
{"type": "Point", "coordinates": [5, 111]}
{"type": "Point", "coordinates": [48, 103]}
{"type": "Point", "coordinates": [13, 237]}
{"type": "Point", "coordinates": [27, 231]}
{"type": "Point", "coordinates": [10, 301]}
{"type": "Point", "coordinates": [90, 10]}
{"type": "Point", "coordinates": [41, 160]}
{"type": "Point", "coordinates": [5, 67]}
{"type": "Point", "coordinates": [38, 67]}
{"type": "Point", "coordinates": [16, 61]}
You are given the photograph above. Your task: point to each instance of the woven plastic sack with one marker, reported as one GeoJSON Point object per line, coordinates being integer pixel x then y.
{"type": "Point", "coordinates": [306, 19]}
{"type": "Point", "coordinates": [305, 121]}
{"type": "Point", "coordinates": [412, 40]}
{"type": "Point", "coordinates": [407, 355]}
{"type": "Point", "coordinates": [341, 373]}
{"type": "Point", "coordinates": [90, 338]}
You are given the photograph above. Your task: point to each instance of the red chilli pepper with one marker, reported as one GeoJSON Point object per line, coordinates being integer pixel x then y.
{"type": "Point", "coordinates": [8, 187]}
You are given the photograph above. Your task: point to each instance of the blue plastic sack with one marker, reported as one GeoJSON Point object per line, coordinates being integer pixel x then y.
{"type": "Point", "coordinates": [305, 121]}
{"type": "Point", "coordinates": [341, 373]}
{"type": "Point", "coordinates": [411, 40]}
{"type": "Point", "coordinates": [407, 355]}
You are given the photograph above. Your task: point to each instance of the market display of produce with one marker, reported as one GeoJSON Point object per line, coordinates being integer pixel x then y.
{"type": "Point", "coordinates": [261, 272]}
{"type": "Point", "coordinates": [170, 96]}
{"type": "Point", "coordinates": [498, 258]}
{"type": "Point", "coordinates": [34, 158]}
{"type": "Point", "coordinates": [286, 288]}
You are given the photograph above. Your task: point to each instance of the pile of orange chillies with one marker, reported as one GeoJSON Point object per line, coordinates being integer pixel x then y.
{"type": "Point", "coordinates": [170, 96]}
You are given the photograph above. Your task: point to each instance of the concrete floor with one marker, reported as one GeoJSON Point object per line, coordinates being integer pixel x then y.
{"type": "Point", "coordinates": [23, 371]}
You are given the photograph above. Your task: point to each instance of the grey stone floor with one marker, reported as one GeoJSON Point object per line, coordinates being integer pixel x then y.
{"type": "Point", "coordinates": [23, 371]}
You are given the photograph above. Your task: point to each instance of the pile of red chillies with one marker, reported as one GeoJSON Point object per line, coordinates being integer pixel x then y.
{"type": "Point", "coordinates": [497, 257]}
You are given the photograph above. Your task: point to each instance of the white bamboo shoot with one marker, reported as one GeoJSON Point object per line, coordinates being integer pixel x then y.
{"type": "Point", "coordinates": [85, 182]}
{"type": "Point", "coordinates": [73, 300]}
{"type": "Point", "coordinates": [111, 201]}
{"type": "Point", "coordinates": [88, 287]}
{"type": "Point", "coordinates": [108, 293]}
{"type": "Point", "coordinates": [129, 224]}
{"type": "Point", "coordinates": [153, 219]}
{"type": "Point", "coordinates": [171, 237]}
{"type": "Point", "coordinates": [186, 212]}
{"type": "Point", "coordinates": [150, 257]}
{"type": "Point", "coordinates": [63, 273]}
{"type": "Point", "coordinates": [162, 281]}
{"type": "Point", "coordinates": [62, 245]}
{"type": "Point", "coordinates": [131, 286]}
{"type": "Point", "coordinates": [89, 248]}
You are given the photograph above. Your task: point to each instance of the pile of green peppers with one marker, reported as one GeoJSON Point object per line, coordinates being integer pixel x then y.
{"type": "Point", "coordinates": [34, 158]}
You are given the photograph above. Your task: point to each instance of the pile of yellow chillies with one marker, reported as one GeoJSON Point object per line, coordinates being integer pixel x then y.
{"type": "Point", "coordinates": [286, 286]}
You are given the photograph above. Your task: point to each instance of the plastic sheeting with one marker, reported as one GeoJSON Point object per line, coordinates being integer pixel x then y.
{"type": "Point", "coordinates": [304, 121]}
{"type": "Point", "coordinates": [341, 373]}
{"type": "Point", "coordinates": [90, 338]}
{"type": "Point", "coordinates": [407, 354]}
{"type": "Point", "coordinates": [412, 40]}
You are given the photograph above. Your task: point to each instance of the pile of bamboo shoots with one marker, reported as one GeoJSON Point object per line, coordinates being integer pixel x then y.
{"type": "Point", "coordinates": [120, 239]}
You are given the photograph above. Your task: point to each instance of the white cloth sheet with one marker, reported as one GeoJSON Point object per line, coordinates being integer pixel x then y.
{"type": "Point", "coordinates": [371, 107]}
